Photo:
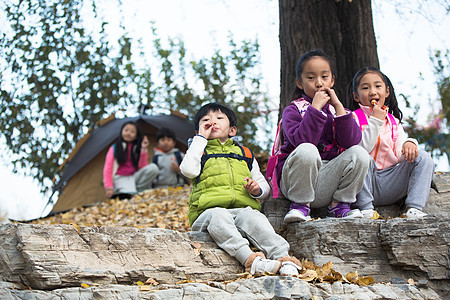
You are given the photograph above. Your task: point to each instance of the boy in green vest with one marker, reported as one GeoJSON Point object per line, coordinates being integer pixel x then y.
{"type": "Point", "coordinates": [227, 187]}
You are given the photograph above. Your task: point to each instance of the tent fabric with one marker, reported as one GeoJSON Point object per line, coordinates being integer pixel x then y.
{"type": "Point", "coordinates": [79, 182]}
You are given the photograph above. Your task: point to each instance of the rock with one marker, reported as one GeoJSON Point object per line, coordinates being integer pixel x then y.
{"type": "Point", "coordinates": [383, 249]}
{"type": "Point", "coordinates": [266, 287]}
{"type": "Point", "coordinates": [53, 261]}
{"type": "Point", "coordinates": [48, 257]}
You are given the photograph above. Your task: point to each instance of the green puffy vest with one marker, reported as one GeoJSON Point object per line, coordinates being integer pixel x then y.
{"type": "Point", "coordinates": [221, 182]}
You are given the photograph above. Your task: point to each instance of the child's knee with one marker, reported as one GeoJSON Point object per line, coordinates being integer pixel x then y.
{"type": "Point", "coordinates": [360, 155]}
{"type": "Point", "coordinates": [305, 154]}
{"type": "Point", "coordinates": [425, 157]}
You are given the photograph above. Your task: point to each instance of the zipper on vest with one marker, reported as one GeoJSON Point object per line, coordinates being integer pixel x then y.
{"type": "Point", "coordinates": [233, 194]}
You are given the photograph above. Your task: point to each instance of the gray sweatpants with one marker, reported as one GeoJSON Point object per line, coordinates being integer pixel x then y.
{"type": "Point", "coordinates": [385, 187]}
{"type": "Point", "coordinates": [308, 179]}
{"type": "Point", "coordinates": [232, 229]}
{"type": "Point", "coordinates": [140, 181]}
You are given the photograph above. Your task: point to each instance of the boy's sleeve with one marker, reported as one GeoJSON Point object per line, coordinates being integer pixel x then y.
{"type": "Point", "coordinates": [259, 178]}
{"type": "Point", "coordinates": [191, 164]}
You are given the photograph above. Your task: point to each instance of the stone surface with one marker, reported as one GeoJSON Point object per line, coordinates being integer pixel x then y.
{"type": "Point", "coordinates": [266, 287]}
{"type": "Point", "coordinates": [383, 249]}
{"type": "Point", "coordinates": [53, 261]}
{"type": "Point", "coordinates": [47, 257]}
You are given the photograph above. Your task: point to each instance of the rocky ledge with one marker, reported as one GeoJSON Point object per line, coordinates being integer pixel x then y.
{"type": "Point", "coordinates": [66, 261]}
{"type": "Point", "coordinates": [408, 259]}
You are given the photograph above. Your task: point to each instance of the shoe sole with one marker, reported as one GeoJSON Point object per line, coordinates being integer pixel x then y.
{"type": "Point", "coordinates": [294, 219]}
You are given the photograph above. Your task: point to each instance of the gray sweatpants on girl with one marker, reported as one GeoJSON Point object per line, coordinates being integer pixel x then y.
{"type": "Point", "coordinates": [306, 178]}
{"type": "Point", "coordinates": [140, 181]}
{"type": "Point", "coordinates": [388, 186]}
{"type": "Point", "coordinates": [232, 229]}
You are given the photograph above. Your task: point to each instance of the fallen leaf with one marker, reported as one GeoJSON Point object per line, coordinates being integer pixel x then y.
{"type": "Point", "coordinates": [85, 285]}
{"type": "Point", "coordinates": [308, 275]}
{"type": "Point", "coordinates": [363, 281]}
{"type": "Point", "coordinates": [145, 288]}
{"type": "Point", "coordinates": [352, 277]}
{"type": "Point", "coordinates": [376, 216]}
{"type": "Point", "coordinates": [152, 281]}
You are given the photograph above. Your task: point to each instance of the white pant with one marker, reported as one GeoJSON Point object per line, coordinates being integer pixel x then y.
{"type": "Point", "coordinates": [140, 181]}
{"type": "Point", "coordinates": [306, 178]}
{"type": "Point", "coordinates": [388, 186]}
{"type": "Point", "coordinates": [232, 229]}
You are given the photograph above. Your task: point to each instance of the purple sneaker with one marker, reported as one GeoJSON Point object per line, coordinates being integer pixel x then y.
{"type": "Point", "coordinates": [298, 213]}
{"type": "Point", "coordinates": [342, 210]}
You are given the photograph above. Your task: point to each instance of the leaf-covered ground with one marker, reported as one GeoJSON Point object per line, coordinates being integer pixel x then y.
{"type": "Point", "coordinates": [158, 208]}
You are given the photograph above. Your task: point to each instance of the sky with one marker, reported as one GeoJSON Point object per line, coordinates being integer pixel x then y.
{"type": "Point", "coordinates": [404, 42]}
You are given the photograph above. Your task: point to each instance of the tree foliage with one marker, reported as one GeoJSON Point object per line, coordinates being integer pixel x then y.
{"type": "Point", "coordinates": [59, 78]}
{"type": "Point", "coordinates": [435, 136]}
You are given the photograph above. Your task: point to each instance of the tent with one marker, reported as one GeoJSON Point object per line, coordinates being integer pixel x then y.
{"type": "Point", "coordinates": [81, 178]}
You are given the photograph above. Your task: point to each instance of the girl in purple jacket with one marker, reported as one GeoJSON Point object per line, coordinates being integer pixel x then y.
{"type": "Point", "coordinates": [320, 163]}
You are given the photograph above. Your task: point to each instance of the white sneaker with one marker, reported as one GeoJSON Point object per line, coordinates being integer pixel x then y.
{"type": "Point", "coordinates": [289, 268]}
{"type": "Point", "coordinates": [355, 213]}
{"type": "Point", "coordinates": [262, 265]}
{"type": "Point", "coordinates": [294, 215]}
{"type": "Point", "coordinates": [414, 213]}
{"type": "Point", "coordinates": [368, 213]}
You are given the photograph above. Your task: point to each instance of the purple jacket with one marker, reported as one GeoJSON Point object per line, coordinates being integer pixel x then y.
{"type": "Point", "coordinates": [316, 127]}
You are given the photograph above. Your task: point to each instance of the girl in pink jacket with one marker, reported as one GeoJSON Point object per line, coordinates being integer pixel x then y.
{"type": "Point", "coordinates": [398, 168]}
{"type": "Point", "coordinates": [126, 167]}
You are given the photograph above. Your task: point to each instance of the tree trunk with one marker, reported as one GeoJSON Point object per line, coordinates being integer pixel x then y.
{"type": "Point", "coordinates": [342, 28]}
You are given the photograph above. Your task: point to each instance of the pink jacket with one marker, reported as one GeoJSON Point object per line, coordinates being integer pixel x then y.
{"type": "Point", "coordinates": [378, 141]}
{"type": "Point", "coordinates": [111, 166]}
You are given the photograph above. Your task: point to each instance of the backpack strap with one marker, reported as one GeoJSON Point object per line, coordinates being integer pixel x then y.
{"type": "Point", "coordinates": [178, 157]}
{"type": "Point", "coordinates": [155, 158]}
{"type": "Point", "coordinates": [362, 118]}
{"type": "Point", "coordinates": [394, 127]}
{"type": "Point", "coordinates": [247, 156]}
{"type": "Point", "coordinates": [363, 122]}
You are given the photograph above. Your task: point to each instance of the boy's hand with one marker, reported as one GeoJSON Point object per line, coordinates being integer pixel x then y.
{"type": "Point", "coordinates": [145, 142]}
{"type": "Point", "coordinates": [252, 186]}
{"type": "Point", "coordinates": [205, 129]}
{"type": "Point", "coordinates": [409, 150]}
{"type": "Point", "coordinates": [174, 166]}
{"type": "Point", "coordinates": [320, 99]}
{"type": "Point", "coordinates": [379, 112]}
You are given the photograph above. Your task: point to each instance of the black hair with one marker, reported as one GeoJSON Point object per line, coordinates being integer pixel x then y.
{"type": "Point", "coordinates": [165, 132]}
{"type": "Point", "coordinates": [391, 100]}
{"type": "Point", "coordinates": [205, 109]}
{"type": "Point", "coordinates": [297, 92]}
{"type": "Point", "coordinates": [121, 154]}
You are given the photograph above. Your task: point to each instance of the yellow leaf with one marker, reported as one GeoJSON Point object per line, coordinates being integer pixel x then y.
{"type": "Point", "coordinates": [308, 275]}
{"type": "Point", "coordinates": [152, 281]}
{"type": "Point", "coordinates": [376, 216]}
{"type": "Point", "coordinates": [352, 277]}
{"type": "Point", "coordinates": [139, 283]}
{"type": "Point", "coordinates": [365, 280]}
{"type": "Point", "coordinates": [145, 288]}
{"type": "Point", "coordinates": [85, 285]}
